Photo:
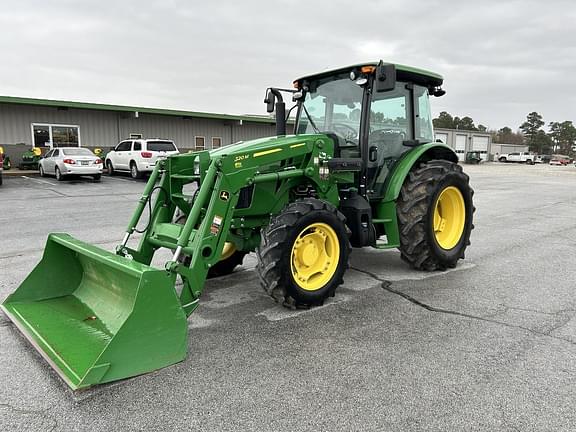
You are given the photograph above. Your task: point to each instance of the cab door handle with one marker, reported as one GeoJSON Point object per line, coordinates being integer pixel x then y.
{"type": "Point", "coordinates": [373, 154]}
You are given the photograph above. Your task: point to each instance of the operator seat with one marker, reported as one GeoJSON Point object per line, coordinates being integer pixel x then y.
{"type": "Point", "coordinates": [388, 143]}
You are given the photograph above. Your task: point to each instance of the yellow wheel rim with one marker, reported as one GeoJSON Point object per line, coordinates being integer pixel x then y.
{"type": "Point", "coordinates": [228, 250]}
{"type": "Point", "coordinates": [315, 256]}
{"type": "Point", "coordinates": [449, 217]}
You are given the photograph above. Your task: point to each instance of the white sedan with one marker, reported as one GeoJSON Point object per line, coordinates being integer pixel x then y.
{"type": "Point", "coordinates": [65, 161]}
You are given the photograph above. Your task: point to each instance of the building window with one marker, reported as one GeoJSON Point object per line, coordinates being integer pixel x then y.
{"type": "Point", "coordinates": [199, 143]}
{"type": "Point", "coordinates": [43, 135]}
{"type": "Point", "coordinates": [216, 142]}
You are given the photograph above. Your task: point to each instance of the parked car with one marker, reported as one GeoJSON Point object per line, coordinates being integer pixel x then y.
{"type": "Point", "coordinates": [522, 157]}
{"type": "Point", "coordinates": [138, 156]}
{"type": "Point", "coordinates": [543, 159]}
{"type": "Point", "coordinates": [66, 161]}
{"type": "Point", "coordinates": [560, 160]}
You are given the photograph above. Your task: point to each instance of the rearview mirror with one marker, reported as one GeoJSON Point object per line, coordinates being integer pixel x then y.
{"type": "Point", "coordinates": [385, 79]}
{"type": "Point", "coordinates": [269, 101]}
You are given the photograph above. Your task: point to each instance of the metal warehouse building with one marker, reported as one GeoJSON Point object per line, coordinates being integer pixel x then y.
{"type": "Point", "coordinates": [26, 123]}
{"type": "Point", "coordinates": [463, 141]}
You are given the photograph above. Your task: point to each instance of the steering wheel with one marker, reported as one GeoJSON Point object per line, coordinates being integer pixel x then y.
{"type": "Point", "coordinates": [347, 132]}
{"type": "Point", "coordinates": [379, 133]}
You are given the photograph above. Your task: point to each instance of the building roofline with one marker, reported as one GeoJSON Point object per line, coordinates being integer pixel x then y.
{"type": "Point", "coordinates": [475, 132]}
{"type": "Point", "coordinates": [126, 108]}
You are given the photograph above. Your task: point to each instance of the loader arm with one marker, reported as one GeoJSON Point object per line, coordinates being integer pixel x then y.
{"type": "Point", "coordinates": [274, 165]}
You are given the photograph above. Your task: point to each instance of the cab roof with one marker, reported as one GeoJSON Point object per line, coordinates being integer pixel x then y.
{"type": "Point", "coordinates": [403, 73]}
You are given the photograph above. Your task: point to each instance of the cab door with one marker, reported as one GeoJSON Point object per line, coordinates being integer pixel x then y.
{"type": "Point", "coordinates": [390, 126]}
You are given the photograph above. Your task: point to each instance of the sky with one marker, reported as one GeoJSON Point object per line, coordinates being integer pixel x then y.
{"type": "Point", "coordinates": [500, 59]}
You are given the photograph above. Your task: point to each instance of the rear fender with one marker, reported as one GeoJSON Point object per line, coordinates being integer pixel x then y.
{"type": "Point", "coordinates": [386, 208]}
{"type": "Point", "coordinates": [401, 169]}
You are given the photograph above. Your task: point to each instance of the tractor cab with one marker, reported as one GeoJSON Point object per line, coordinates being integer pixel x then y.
{"type": "Point", "coordinates": [375, 113]}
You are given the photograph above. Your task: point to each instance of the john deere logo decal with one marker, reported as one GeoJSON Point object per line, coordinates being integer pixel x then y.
{"type": "Point", "coordinates": [224, 195]}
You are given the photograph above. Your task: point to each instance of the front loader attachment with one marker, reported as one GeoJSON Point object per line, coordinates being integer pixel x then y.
{"type": "Point", "coordinates": [96, 316]}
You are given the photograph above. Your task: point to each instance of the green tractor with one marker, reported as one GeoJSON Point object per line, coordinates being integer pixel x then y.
{"type": "Point", "coordinates": [362, 169]}
{"type": "Point", "coordinates": [473, 157]}
{"type": "Point", "coordinates": [30, 159]}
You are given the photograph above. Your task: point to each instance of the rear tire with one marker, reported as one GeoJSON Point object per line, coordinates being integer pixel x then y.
{"type": "Point", "coordinates": [304, 253]}
{"type": "Point", "coordinates": [134, 172]}
{"type": "Point", "coordinates": [97, 177]}
{"type": "Point", "coordinates": [58, 174]}
{"type": "Point", "coordinates": [435, 213]}
{"type": "Point", "coordinates": [502, 159]}
{"type": "Point", "coordinates": [110, 168]}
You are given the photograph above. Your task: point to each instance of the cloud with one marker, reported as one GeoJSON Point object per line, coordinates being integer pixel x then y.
{"type": "Point", "coordinates": [501, 60]}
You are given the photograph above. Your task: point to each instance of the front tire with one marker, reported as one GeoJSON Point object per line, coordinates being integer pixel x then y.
{"type": "Point", "coordinates": [110, 168]}
{"type": "Point", "coordinates": [230, 259]}
{"type": "Point", "coordinates": [304, 253]}
{"type": "Point", "coordinates": [435, 213]}
{"type": "Point", "coordinates": [41, 170]}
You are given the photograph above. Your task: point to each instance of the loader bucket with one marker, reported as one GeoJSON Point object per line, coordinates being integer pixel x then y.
{"type": "Point", "coordinates": [96, 316]}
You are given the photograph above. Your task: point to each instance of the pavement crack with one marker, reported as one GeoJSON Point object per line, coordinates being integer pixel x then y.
{"type": "Point", "coordinates": [387, 286]}
{"type": "Point", "coordinates": [11, 256]}
{"type": "Point", "coordinates": [36, 413]}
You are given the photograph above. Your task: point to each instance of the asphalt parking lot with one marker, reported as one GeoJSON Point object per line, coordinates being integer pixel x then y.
{"type": "Point", "coordinates": [490, 345]}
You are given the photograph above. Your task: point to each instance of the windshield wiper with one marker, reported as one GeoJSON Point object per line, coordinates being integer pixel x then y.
{"type": "Point", "coordinates": [310, 119]}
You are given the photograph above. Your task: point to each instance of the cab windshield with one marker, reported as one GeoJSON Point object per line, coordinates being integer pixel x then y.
{"type": "Point", "coordinates": [332, 105]}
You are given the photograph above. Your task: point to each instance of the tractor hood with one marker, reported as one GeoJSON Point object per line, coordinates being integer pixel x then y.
{"type": "Point", "coordinates": [265, 144]}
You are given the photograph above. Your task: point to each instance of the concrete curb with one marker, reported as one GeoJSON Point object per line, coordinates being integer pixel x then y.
{"type": "Point", "coordinates": [16, 172]}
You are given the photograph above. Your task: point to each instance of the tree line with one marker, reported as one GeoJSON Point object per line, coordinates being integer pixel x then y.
{"type": "Point", "coordinates": [560, 138]}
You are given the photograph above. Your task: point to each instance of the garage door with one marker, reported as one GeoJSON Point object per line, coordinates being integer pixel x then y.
{"type": "Point", "coordinates": [480, 143]}
{"type": "Point", "coordinates": [442, 137]}
{"type": "Point", "coordinates": [460, 147]}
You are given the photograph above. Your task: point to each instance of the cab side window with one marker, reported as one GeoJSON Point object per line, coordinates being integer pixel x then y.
{"type": "Point", "coordinates": [137, 146]}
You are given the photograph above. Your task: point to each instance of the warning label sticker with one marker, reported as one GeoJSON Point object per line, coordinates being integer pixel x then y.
{"type": "Point", "coordinates": [216, 225]}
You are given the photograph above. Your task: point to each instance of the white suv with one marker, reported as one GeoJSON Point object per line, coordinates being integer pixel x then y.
{"type": "Point", "coordinates": [138, 156]}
